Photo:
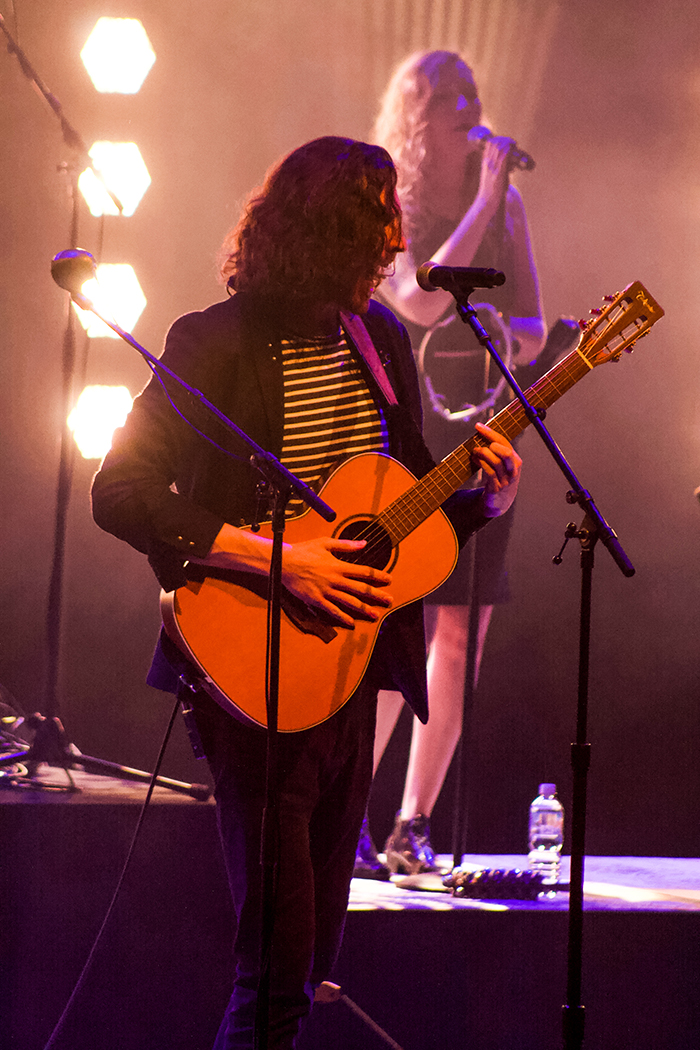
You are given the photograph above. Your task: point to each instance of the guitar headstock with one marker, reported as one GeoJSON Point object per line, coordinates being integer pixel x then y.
{"type": "Point", "coordinates": [624, 319]}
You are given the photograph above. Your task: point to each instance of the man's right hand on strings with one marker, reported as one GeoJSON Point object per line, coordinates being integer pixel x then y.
{"type": "Point", "coordinates": [343, 590]}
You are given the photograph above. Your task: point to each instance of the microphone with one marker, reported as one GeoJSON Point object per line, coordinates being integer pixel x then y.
{"type": "Point", "coordinates": [457, 279]}
{"type": "Point", "coordinates": [71, 269]}
{"type": "Point", "coordinates": [518, 158]}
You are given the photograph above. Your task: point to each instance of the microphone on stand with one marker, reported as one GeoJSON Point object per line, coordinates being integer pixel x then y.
{"type": "Point", "coordinates": [457, 279]}
{"type": "Point", "coordinates": [517, 157]}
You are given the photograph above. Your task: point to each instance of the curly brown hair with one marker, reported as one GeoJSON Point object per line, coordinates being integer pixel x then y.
{"type": "Point", "coordinates": [317, 226]}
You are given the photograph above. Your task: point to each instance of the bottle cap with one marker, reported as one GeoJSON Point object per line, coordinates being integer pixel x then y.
{"type": "Point", "coordinates": [548, 789]}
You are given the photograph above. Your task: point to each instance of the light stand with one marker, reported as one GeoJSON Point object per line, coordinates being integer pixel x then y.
{"type": "Point", "coordinates": [50, 743]}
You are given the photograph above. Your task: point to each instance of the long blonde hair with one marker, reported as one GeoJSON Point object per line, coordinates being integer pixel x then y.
{"type": "Point", "coordinates": [401, 126]}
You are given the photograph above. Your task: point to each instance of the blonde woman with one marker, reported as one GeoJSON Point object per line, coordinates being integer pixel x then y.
{"type": "Point", "coordinates": [459, 209]}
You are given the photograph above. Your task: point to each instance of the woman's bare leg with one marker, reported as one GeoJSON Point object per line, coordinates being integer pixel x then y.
{"type": "Point", "coordinates": [433, 744]}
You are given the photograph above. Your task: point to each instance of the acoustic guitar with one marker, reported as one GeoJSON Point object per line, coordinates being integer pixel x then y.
{"type": "Point", "coordinates": [219, 621]}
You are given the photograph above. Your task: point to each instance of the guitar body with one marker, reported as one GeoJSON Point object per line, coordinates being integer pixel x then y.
{"type": "Point", "coordinates": [221, 623]}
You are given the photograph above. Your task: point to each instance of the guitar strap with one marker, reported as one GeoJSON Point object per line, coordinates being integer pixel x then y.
{"type": "Point", "coordinates": [412, 436]}
{"type": "Point", "coordinates": [355, 327]}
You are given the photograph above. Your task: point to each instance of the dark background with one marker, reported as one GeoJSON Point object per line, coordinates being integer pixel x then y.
{"type": "Point", "coordinates": [607, 99]}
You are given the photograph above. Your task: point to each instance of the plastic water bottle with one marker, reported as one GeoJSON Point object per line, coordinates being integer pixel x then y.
{"type": "Point", "coordinates": [546, 834]}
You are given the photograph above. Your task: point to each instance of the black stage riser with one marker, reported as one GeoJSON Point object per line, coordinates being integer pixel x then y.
{"type": "Point", "coordinates": [437, 980]}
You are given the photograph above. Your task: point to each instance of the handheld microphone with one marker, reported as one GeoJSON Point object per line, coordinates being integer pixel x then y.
{"type": "Point", "coordinates": [457, 279]}
{"type": "Point", "coordinates": [518, 158]}
{"type": "Point", "coordinates": [71, 268]}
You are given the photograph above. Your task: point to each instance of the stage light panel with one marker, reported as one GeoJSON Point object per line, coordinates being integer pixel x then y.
{"type": "Point", "coordinates": [117, 295]}
{"type": "Point", "coordinates": [98, 413]}
{"type": "Point", "coordinates": [124, 172]}
{"type": "Point", "coordinates": [118, 55]}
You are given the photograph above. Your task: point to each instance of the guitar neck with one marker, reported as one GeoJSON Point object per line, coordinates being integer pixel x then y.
{"type": "Point", "coordinates": [412, 508]}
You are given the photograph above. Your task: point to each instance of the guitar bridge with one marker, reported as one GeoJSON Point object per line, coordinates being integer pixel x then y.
{"type": "Point", "coordinates": [305, 619]}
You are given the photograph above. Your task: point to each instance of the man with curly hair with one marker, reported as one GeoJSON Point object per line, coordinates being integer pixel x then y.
{"type": "Point", "coordinates": [276, 357]}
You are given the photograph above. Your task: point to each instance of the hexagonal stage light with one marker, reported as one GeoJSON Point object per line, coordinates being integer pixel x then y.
{"type": "Point", "coordinates": [98, 413]}
{"type": "Point", "coordinates": [117, 295]}
{"type": "Point", "coordinates": [118, 55]}
{"type": "Point", "coordinates": [124, 172]}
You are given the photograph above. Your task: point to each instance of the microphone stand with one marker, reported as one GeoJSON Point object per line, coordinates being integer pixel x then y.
{"type": "Point", "coordinates": [281, 483]}
{"type": "Point", "coordinates": [460, 815]}
{"type": "Point", "coordinates": [460, 808]}
{"type": "Point", "coordinates": [593, 528]}
{"type": "Point", "coordinates": [561, 338]}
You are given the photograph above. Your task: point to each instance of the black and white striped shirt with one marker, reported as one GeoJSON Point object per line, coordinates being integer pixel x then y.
{"type": "Point", "coordinates": [329, 412]}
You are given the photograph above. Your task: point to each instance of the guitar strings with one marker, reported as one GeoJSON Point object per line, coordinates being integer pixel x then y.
{"type": "Point", "coordinates": [406, 512]}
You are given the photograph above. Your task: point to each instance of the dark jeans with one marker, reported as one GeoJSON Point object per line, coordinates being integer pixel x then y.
{"type": "Point", "coordinates": [325, 775]}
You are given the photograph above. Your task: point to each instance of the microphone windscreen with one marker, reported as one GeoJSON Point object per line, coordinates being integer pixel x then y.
{"type": "Point", "coordinates": [71, 268]}
{"type": "Point", "coordinates": [423, 277]}
{"type": "Point", "coordinates": [479, 134]}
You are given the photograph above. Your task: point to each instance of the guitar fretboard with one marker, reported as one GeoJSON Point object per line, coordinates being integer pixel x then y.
{"type": "Point", "coordinates": [413, 507]}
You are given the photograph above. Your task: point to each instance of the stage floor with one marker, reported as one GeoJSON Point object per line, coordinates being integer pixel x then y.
{"type": "Point", "coordinates": [436, 972]}
{"type": "Point", "coordinates": [610, 884]}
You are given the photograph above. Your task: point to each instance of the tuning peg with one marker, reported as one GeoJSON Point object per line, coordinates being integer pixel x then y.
{"type": "Point", "coordinates": [583, 323]}
{"type": "Point", "coordinates": [595, 310]}
{"type": "Point", "coordinates": [630, 349]}
{"type": "Point", "coordinates": [609, 298]}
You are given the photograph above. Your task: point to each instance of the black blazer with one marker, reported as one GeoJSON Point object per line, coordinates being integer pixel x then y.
{"type": "Point", "coordinates": [166, 491]}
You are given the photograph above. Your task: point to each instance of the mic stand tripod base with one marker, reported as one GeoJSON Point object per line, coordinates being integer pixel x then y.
{"type": "Point", "coordinates": [201, 792]}
{"type": "Point", "coordinates": [51, 747]}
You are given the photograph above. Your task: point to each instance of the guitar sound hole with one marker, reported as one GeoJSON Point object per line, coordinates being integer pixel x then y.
{"type": "Point", "coordinates": [378, 552]}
